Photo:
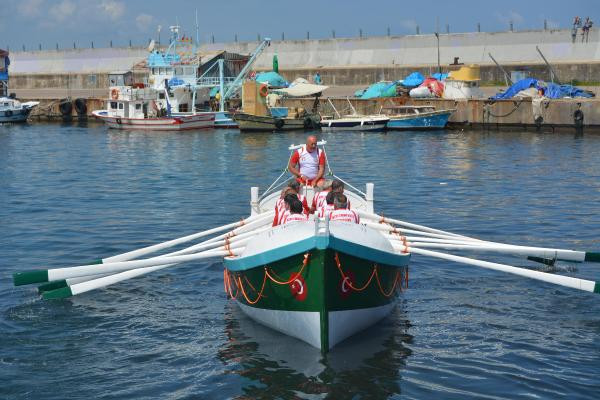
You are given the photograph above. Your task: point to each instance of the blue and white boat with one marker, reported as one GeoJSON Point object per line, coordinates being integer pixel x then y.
{"type": "Point", "coordinates": [416, 117]}
{"type": "Point", "coordinates": [12, 110]}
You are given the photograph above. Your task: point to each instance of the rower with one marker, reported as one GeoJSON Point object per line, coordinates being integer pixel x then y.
{"type": "Point", "coordinates": [307, 164]}
{"type": "Point", "coordinates": [337, 186]}
{"type": "Point", "coordinates": [296, 212]}
{"type": "Point", "coordinates": [319, 197]}
{"type": "Point", "coordinates": [341, 211]}
{"type": "Point", "coordinates": [292, 187]}
{"type": "Point", "coordinates": [328, 206]}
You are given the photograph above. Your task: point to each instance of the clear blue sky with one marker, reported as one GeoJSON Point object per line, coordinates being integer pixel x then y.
{"type": "Point", "coordinates": [46, 22]}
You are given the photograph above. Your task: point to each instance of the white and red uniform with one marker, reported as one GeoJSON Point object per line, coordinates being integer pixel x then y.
{"type": "Point", "coordinates": [281, 212]}
{"type": "Point", "coordinates": [319, 200]}
{"type": "Point", "coordinates": [295, 217]}
{"type": "Point", "coordinates": [344, 214]}
{"type": "Point", "coordinates": [325, 210]}
{"type": "Point", "coordinates": [308, 162]}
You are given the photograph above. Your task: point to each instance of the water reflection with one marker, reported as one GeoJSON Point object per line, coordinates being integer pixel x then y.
{"type": "Point", "coordinates": [278, 366]}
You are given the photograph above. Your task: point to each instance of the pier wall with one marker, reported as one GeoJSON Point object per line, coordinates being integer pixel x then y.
{"type": "Point", "coordinates": [341, 61]}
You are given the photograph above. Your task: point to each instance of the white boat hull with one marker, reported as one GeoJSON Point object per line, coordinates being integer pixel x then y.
{"type": "Point", "coordinates": [176, 123]}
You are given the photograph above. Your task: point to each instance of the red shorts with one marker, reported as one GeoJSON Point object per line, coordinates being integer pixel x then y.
{"type": "Point", "coordinates": [308, 182]}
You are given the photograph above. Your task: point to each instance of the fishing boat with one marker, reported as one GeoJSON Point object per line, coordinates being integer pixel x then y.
{"type": "Point", "coordinates": [261, 113]}
{"type": "Point", "coordinates": [320, 281]}
{"type": "Point", "coordinates": [416, 117]}
{"type": "Point", "coordinates": [354, 121]}
{"type": "Point", "coordinates": [135, 108]}
{"type": "Point", "coordinates": [12, 110]}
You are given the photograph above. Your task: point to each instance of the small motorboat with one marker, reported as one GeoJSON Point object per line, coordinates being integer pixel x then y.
{"type": "Point", "coordinates": [354, 121]}
{"type": "Point", "coordinates": [416, 117]}
{"type": "Point", "coordinates": [12, 110]}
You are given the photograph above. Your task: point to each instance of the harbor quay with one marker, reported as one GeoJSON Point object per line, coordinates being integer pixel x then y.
{"type": "Point", "coordinates": [50, 76]}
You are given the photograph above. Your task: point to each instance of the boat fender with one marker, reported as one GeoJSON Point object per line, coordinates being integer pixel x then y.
{"type": "Point", "coordinates": [8, 113]}
{"type": "Point", "coordinates": [65, 107]}
{"type": "Point", "coordinates": [539, 120]}
{"type": "Point", "coordinates": [263, 91]}
{"type": "Point", "coordinates": [119, 121]}
{"type": "Point", "coordinates": [578, 118]}
{"type": "Point", "coordinates": [279, 123]}
{"type": "Point", "coordinates": [114, 94]}
{"type": "Point", "coordinates": [308, 123]}
{"type": "Point", "coordinates": [80, 106]}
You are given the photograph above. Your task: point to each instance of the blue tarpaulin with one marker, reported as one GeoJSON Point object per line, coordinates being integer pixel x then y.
{"type": "Point", "coordinates": [272, 79]}
{"type": "Point", "coordinates": [516, 88]}
{"type": "Point", "coordinates": [555, 91]}
{"type": "Point", "coordinates": [439, 77]}
{"type": "Point", "coordinates": [374, 90]}
{"type": "Point", "coordinates": [413, 80]}
{"type": "Point", "coordinates": [551, 90]}
{"type": "Point", "coordinates": [174, 81]}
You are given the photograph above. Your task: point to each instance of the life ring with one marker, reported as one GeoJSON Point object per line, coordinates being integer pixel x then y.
{"type": "Point", "coordinates": [578, 118]}
{"type": "Point", "coordinates": [114, 94]}
{"type": "Point", "coordinates": [279, 123]}
{"type": "Point", "coordinates": [263, 91]}
{"type": "Point", "coordinates": [8, 113]}
{"type": "Point", "coordinates": [118, 121]}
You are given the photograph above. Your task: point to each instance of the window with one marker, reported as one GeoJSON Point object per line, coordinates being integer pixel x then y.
{"type": "Point", "coordinates": [154, 71]}
{"type": "Point", "coordinates": [138, 106]}
{"type": "Point", "coordinates": [179, 71]}
{"type": "Point", "coordinates": [183, 107]}
{"type": "Point", "coordinates": [113, 105]}
{"type": "Point", "coordinates": [161, 96]}
{"type": "Point", "coordinates": [92, 80]}
{"type": "Point", "coordinates": [120, 106]}
{"type": "Point", "coordinates": [161, 71]}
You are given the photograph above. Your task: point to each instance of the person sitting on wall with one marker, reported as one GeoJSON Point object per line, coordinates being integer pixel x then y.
{"type": "Point", "coordinates": [341, 211]}
{"type": "Point", "coordinates": [308, 163]}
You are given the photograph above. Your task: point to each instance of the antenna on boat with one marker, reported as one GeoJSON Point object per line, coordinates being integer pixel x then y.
{"type": "Point", "coordinates": [197, 29]}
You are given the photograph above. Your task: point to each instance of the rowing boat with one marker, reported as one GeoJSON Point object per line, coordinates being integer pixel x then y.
{"type": "Point", "coordinates": [320, 281]}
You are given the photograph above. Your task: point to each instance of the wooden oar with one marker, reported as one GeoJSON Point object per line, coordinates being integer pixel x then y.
{"type": "Point", "coordinates": [575, 283]}
{"type": "Point", "coordinates": [239, 239]}
{"type": "Point", "coordinates": [527, 251]}
{"type": "Point", "coordinates": [161, 246]}
{"type": "Point", "coordinates": [379, 218]}
{"type": "Point", "coordinates": [54, 274]}
{"type": "Point", "coordinates": [393, 229]}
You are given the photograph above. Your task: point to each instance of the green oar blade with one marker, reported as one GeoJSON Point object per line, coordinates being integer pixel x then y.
{"type": "Point", "coordinates": [33, 276]}
{"type": "Point", "coordinates": [52, 286]}
{"type": "Point", "coordinates": [61, 293]}
{"type": "Point", "coordinates": [592, 257]}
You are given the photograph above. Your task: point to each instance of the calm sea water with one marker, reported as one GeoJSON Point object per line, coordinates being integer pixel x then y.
{"type": "Point", "coordinates": [72, 193]}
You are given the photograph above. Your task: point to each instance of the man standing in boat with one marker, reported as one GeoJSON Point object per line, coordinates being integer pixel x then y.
{"type": "Point", "coordinates": [307, 164]}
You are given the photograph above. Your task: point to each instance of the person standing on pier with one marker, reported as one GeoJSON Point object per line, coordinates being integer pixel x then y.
{"type": "Point", "coordinates": [576, 25]}
{"type": "Point", "coordinates": [317, 78]}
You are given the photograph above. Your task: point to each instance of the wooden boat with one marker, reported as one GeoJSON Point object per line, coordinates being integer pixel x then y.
{"type": "Point", "coordinates": [320, 281]}
{"type": "Point", "coordinates": [416, 117]}
{"type": "Point", "coordinates": [250, 122]}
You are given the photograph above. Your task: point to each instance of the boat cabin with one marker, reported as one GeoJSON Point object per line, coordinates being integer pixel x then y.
{"type": "Point", "coordinates": [407, 110]}
{"type": "Point", "coordinates": [130, 102]}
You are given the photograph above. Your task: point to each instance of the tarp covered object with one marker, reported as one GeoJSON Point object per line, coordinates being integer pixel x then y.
{"type": "Point", "coordinates": [551, 90]}
{"type": "Point", "coordinates": [272, 79]}
{"type": "Point", "coordinates": [413, 80]}
{"type": "Point", "coordinates": [302, 89]}
{"type": "Point", "coordinates": [516, 88]}
{"type": "Point", "coordinates": [554, 91]}
{"type": "Point", "coordinates": [374, 90]}
{"type": "Point", "coordinates": [439, 77]}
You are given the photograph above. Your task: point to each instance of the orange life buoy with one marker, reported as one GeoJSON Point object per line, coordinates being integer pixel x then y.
{"type": "Point", "coordinates": [263, 91]}
{"type": "Point", "coordinates": [114, 94]}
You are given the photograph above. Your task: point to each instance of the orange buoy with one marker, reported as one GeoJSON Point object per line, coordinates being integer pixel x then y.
{"type": "Point", "coordinates": [263, 90]}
